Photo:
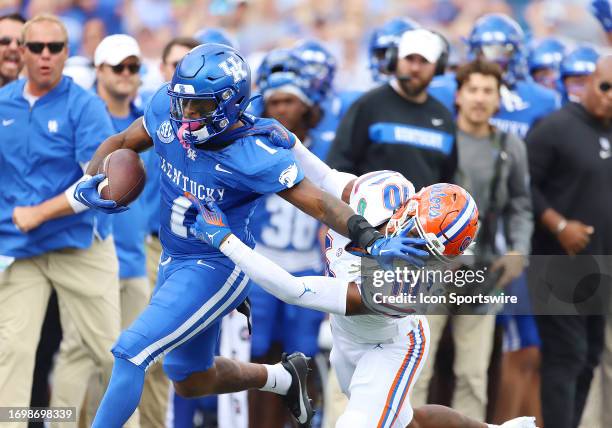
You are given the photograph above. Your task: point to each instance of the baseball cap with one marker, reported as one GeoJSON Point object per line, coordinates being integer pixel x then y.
{"type": "Point", "coordinates": [114, 49]}
{"type": "Point", "coordinates": [420, 42]}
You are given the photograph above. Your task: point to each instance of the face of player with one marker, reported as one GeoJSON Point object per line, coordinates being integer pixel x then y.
{"type": "Point", "coordinates": [11, 60]}
{"type": "Point", "coordinates": [192, 109]}
{"type": "Point", "coordinates": [121, 80]}
{"type": "Point", "coordinates": [288, 109]}
{"type": "Point", "coordinates": [44, 67]}
{"type": "Point", "coordinates": [167, 68]}
{"type": "Point", "coordinates": [499, 53]}
{"type": "Point", "coordinates": [574, 86]}
{"type": "Point", "coordinates": [478, 99]}
{"type": "Point", "coordinates": [546, 77]}
{"type": "Point", "coordinates": [420, 72]}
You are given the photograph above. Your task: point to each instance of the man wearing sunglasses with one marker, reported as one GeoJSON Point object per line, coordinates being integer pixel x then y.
{"type": "Point", "coordinates": [570, 162]}
{"type": "Point", "coordinates": [50, 128]}
{"type": "Point", "coordinates": [11, 61]}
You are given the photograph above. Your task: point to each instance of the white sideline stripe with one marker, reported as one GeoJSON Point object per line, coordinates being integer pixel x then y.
{"type": "Point", "coordinates": [462, 221]}
{"type": "Point", "coordinates": [142, 355]}
{"type": "Point", "coordinates": [210, 319]}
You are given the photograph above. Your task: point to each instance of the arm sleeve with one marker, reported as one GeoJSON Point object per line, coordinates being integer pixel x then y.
{"type": "Point", "coordinates": [321, 293]}
{"type": "Point", "coordinates": [317, 171]}
{"type": "Point", "coordinates": [518, 221]}
{"type": "Point", "coordinates": [93, 126]}
{"type": "Point", "coordinates": [351, 142]}
{"type": "Point", "coordinates": [541, 156]}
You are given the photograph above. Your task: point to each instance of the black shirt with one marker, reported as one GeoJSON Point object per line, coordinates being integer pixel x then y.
{"type": "Point", "coordinates": [570, 161]}
{"type": "Point", "coordinates": [382, 130]}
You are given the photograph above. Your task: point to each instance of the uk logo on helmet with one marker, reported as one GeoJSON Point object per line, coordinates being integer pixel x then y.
{"type": "Point", "coordinates": [232, 67]}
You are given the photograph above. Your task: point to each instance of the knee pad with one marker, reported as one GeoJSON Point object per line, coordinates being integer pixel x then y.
{"type": "Point", "coordinates": [129, 344]}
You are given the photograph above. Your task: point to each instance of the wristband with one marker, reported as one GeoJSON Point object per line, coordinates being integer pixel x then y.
{"type": "Point", "coordinates": [76, 205]}
{"type": "Point", "coordinates": [361, 232]}
{"type": "Point", "coordinates": [561, 226]}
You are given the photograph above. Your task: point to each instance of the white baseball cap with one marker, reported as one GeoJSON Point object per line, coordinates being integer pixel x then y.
{"type": "Point", "coordinates": [421, 42]}
{"type": "Point", "coordinates": [114, 49]}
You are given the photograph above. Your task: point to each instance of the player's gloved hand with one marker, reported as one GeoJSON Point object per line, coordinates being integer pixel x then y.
{"type": "Point", "coordinates": [602, 10]}
{"type": "Point", "coordinates": [411, 250]}
{"type": "Point", "coordinates": [277, 136]}
{"type": "Point", "coordinates": [211, 224]}
{"type": "Point", "coordinates": [87, 193]}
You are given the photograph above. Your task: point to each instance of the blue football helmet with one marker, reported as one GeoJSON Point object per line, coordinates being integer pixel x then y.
{"type": "Point", "coordinates": [280, 68]}
{"type": "Point", "coordinates": [214, 35]}
{"type": "Point", "coordinates": [544, 61]}
{"type": "Point", "coordinates": [320, 65]}
{"type": "Point", "coordinates": [546, 53]}
{"type": "Point", "coordinates": [500, 39]}
{"type": "Point", "coordinates": [582, 61]}
{"type": "Point", "coordinates": [275, 61]}
{"type": "Point", "coordinates": [579, 62]}
{"type": "Point", "coordinates": [209, 92]}
{"type": "Point", "coordinates": [383, 38]}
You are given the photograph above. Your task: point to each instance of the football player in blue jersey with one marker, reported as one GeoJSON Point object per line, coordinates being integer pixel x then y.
{"type": "Point", "coordinates": [293, 96]}
{"type": "Point", "coordinates": [544, 61]}
{"type": "Point", "coordinates": [208, 146]}
{"type": "Point", "coordinates": [498, 38]}
{"type": "Point", "coordinates": [575, 70]}
{"type": "Point", "coordinates": [384, 37]}
{"type": "Point", "coordinates": [320, 69]}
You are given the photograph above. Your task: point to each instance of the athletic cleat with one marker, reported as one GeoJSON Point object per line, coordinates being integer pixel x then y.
{"type": "Point", "coordinates": [297, 397]}
{"type": "Point", "coordinates": [522, 422]}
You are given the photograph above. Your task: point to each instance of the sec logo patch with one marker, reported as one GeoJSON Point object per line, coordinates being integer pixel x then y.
{"type": "Point", "coordinates": [165, 132]}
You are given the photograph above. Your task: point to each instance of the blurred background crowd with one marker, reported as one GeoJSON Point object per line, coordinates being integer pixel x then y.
{"type": "Point", "coordinates": [258, 26]}
{"type": "Point", "coordinates": [330, 56]}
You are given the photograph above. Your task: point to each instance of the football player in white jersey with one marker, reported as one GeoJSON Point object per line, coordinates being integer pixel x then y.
{"type": "Point", "coordinates": [379, 354]}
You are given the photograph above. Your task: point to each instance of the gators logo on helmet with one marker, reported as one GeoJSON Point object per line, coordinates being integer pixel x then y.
{"type": "Point", "coordinates": [444, 215]}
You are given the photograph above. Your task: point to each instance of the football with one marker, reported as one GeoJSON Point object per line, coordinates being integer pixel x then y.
{"type": "Point", "coordinates": [125, 176]}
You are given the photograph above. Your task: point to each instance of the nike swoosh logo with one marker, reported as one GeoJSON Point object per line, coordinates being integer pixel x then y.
{"type": "Point", "coordinates": [384, 251]}
{"type": "Point", "coordinates": [201, 263]}
{"type": "Point", "coordinates": [220, 169]}
{"type": "Point", "coordinates": [7, 122]}
{"type": "Point", "coordinates": [165, 262]}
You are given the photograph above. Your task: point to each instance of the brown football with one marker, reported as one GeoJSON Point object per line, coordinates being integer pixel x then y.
{"type": "Point", "coordinates": [125, 176]}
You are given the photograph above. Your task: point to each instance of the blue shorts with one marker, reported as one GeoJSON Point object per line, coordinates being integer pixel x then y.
{"type": "Point", "coordinates": [296, 328]}
{"type": "Point", "coordinates": [183, 318]}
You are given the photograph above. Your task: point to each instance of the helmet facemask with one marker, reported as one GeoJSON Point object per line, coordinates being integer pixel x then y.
{"type": "Point", "coordinates": [196, 119]}
{"type": "Point", "coordinates": [406, 220]}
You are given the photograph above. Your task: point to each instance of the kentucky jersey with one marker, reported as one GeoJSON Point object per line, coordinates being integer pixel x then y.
{"type": "Point", "coordinates": [244, 167]}
{"type": "Point", "coordinates": [521, 106]}
{"type": "Point", "coordinates": [283, 232]}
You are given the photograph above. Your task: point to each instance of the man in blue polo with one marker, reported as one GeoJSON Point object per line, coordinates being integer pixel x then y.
{"type": "Point", "coordinates": [50, 129]}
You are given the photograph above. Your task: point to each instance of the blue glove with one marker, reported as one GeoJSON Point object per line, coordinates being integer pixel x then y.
{"type": "Point", "coordinates": [602, 10]}
{"type": "Point", "coordinates": [385, 250]}
{"type": "Point", "coordinates": [211, 224]}
{"type": "Point", "coordinates": [86, 193]}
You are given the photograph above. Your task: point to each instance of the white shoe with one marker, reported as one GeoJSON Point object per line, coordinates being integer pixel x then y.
{"type": "Point", "coordinates": [522, 422]}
